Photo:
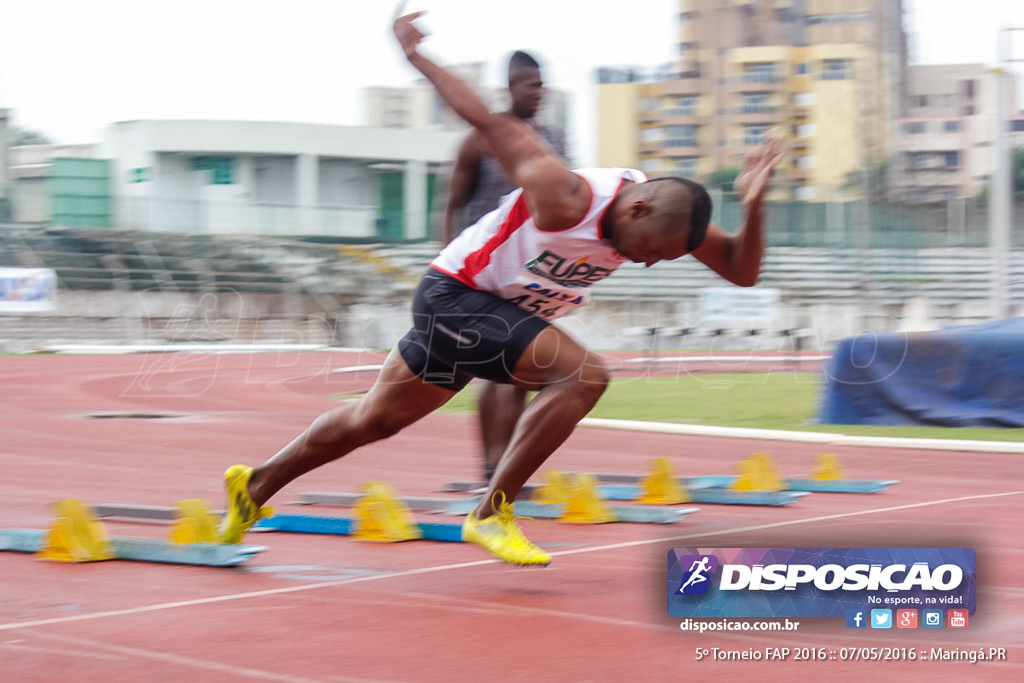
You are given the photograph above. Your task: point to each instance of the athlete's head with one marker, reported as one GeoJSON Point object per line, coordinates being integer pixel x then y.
{"type": "Point", "coordinates": [659, 220]}
{"type": "Point", "coordinates": [525, 85]}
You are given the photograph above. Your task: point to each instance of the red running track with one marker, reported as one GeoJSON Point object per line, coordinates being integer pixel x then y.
{"type": "Point", "coordinates": [314, 608]}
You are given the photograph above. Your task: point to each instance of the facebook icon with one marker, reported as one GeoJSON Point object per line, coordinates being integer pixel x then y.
{"type": "Point", "coordinates": [856, 618]}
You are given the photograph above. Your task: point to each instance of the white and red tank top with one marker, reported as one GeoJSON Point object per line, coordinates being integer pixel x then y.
{"type": "Point", "coordinates": [542, 271]}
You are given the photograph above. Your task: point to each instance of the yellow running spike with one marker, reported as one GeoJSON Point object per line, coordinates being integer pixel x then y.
{"type": "Point", "coordinates": [196, 523]}
{"type": "Point", "coordinates": [758, 473]}
{"type": "Point", "coordinates": [660, 487]}
{"type": "Point", "coordinates": [76, 535]}
{"type": "Point", "coordinates": [828, 468]}
{"type": "Point", "coordinates": [380, 516]}
{"type": "Point", "coordinates": [583, 505]}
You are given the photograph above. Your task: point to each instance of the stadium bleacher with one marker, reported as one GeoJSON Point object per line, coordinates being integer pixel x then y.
{"type": "Point", "coordinates": [311, 278]}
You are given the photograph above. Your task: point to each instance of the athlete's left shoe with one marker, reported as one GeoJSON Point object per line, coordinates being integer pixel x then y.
{"type": "Point", "coordinates": [242, 511]}
{"type": "Point", "coordinates": [501, 536]}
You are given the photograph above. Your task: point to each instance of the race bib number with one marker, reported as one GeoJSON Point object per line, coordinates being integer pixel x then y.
{"type": "Point", "coordinates": [543, 298]}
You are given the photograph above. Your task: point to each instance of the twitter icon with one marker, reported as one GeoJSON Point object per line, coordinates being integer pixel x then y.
{"type": "Point", "coordinates": [881, 618]}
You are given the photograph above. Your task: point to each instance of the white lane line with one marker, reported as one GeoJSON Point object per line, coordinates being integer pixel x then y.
{"type": "Point", "coordinates": [206, 665]}
{"type": "Point", "coordinates": [825, 438]}
{"type": "Point", "coordinates": [792, 522]}
{"type": "Point", "coordinates": [479, 563]}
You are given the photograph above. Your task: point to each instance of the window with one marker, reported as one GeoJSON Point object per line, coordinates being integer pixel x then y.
{"type": "Point", "coordinates": [759, 72]}
{"type": "Point", "coordinates": [805, 99]}
{"type": "Point", "coordinates": [803, 68]}
{"type": "Point", "coordinates": [755, 103]}
{"type": "Point", "coordinates": [1017, 125]}
{"type": "Point", "coordinates": [680, 136]}
{"type": "Point", "coordinates": [648, 104]}
{"type": "Point", "coordinates": [950, 126]}
{"type": "Point", "coordinates": [806, 192]}
{"type": "Point", "coordinates": [221, 169]}
{"type": "Point", "coordinates": [951, 159]}
{"type": "Point", "coordinates": [685, 48]}
{"type": "Point", "coordinates": [753, 133]}
{"type": "Point", "coordinates": [806, 130]}
{"type": "Point", "coordinates": [683, 105]}
{"type": "Point", "coordinates": [920, 100]}
{"type": "Point", "coordinates": [652, 134]}
{"type": "Point", "coordinates": [914, 127]}
{"type": "Point", "coordinates": [651, 165]}
{"type": "Point", "coordinates": [805, 161]}
{"type": "Point", "coordinates": [686, 166]}
{"type": "Point", "coordinates": [837, 70]}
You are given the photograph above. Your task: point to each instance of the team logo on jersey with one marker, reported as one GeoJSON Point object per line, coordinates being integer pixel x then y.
{"type": "Point", "coordinates": [560, 270]}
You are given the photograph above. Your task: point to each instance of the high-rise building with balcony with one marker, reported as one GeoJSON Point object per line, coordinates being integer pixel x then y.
{"type": "Point", "coordinates": [825, 75]}
{"type": "Point", "coordinates": [945, 149]}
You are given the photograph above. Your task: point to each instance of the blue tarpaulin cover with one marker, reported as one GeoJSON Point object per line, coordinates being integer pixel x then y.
{"type": "Point", "coordinates": [970, 376]}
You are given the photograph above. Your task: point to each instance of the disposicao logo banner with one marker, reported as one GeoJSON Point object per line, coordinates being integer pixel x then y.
{"type": "Point", "coordinates": [817, 582]}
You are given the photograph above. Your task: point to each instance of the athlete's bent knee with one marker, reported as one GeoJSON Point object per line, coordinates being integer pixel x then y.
{"type": "Point", "coordinates": [593, 381]}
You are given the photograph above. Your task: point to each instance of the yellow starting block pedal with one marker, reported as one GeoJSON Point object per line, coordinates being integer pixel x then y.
{"type": "Point", "coordinates": [828, 468]}
{"type": "Point", "coordinates": [553, 490]}
{"type": "Point", "coordinates": [76, 535]}
{"type": "Point", "coordinates": [380, 516]}
{"type": "Point", "coordinates": [195, 523]}
{"type": "Point", "coordinates": [758, 473]}
{"type": "Point", "coordinates": [661, 487]}
{"type": "Point", "coordinates": [583, 505]}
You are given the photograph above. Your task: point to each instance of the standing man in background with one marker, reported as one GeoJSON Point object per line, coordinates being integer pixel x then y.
{"type": "Point", "coordinates": [475, 188]}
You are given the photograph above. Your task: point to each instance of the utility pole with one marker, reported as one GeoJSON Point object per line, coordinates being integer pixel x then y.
{"type": "Point", "coordinates": [1001, 195]}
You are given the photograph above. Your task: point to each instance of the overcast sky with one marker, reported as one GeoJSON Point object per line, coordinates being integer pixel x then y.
{"type": "Point", "coordinates": [70, 67]}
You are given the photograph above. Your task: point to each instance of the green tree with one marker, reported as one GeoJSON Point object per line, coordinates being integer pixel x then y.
{"type": "Point", "coordinates": [1017, 170]}
{"type": "Point", "coordinates": [877, 180]}
{"type": "Point", "coordinates": [723, 178]}
{"type": "Point", "coordinates": [27, 136]}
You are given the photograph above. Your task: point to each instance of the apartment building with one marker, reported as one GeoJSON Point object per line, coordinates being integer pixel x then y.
{"type": "Point", "coordinates": [945, 146]}
{"type": "Point", "coordinates": [825, 75]}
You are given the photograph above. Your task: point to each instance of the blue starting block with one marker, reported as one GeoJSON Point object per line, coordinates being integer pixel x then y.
{"type": "Point", "coordinates": [709, 495]}
{"type": "Point", "coordinates": [715, 481]}
{"type": "Point", "coordinates": [343, 526]}
{"type": "Point", "coordinates": [143, 549]}
{"type": "Point", "coordinates": [524, 508]}
{"type": "Point", "coordinates": [625, 487]}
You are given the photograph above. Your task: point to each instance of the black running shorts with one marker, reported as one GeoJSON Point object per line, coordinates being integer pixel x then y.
{"type": "Point", "coordinates": [460, 333]}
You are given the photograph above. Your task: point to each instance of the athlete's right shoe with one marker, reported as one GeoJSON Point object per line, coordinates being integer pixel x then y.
{"type": "Point", "coordinates": [501, 536]}
{"type": "Point", "coordinates": [242, 511]}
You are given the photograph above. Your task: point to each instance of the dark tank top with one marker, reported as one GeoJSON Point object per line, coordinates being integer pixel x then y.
{"type": "Point", "coordinates": [492, 185]}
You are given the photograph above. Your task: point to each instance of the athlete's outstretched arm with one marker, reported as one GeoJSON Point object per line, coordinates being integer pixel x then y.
{"type": "Point", "coordinates": [558, 198]}
{"type": "Point", "coordinates": [737, 258]}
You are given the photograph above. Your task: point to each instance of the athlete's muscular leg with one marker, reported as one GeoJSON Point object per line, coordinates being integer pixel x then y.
{"type": "Point", "coordinates": [499, 407]}
{"type": "Point", "coordinates": [395, 401]}
{"type": "Point", "coordinates": [570, 381]}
